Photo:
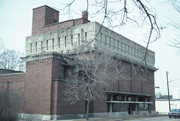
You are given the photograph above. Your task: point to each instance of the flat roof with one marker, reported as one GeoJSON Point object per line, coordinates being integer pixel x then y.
{"type": "Point", "coordinates": [158, 99]}
{"type": "Point", "coordinates": [8, 71]}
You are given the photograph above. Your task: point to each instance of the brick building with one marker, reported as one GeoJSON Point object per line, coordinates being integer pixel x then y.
{"type": "Point", "coordinates": [50, 45]}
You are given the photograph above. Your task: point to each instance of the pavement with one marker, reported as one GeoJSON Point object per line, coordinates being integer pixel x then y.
{"type": "Point", "coordinates": [111, 118]}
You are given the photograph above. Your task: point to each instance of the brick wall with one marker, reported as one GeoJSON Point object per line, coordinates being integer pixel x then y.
{"type": "Point", "coordinates": [14, 83]}
{"type": "Point", "coordinates": [59, 102]}
{"type": "Point", "coordinates": [38, 86]}
{"type": "Point", "coordinates": [44, 91]}
{"type": "Point", "coordinates": [64, 106]}
{"type": "Point", "coordinates": [135, 82]}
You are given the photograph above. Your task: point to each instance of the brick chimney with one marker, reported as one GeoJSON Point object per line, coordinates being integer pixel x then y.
{"type": "Point", "coordinates": [85, 15]}
{"type": "Point", "coordinates": [42, 16]}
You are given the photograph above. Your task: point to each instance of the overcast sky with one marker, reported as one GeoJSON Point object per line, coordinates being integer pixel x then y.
{"type": "Point", "coordinates": [16, 23]}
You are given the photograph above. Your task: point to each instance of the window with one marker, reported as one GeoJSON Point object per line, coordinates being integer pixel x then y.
{"type": "Point", "coordinates": [53, 44]}
{"type": "Point", "coordinates": [105, 40]}
{"type": "Point", "coordinates": [36, 46]}
{"type": "Point", "coordinates": [114, 43]}
{"type": "Point", "coordinates": [135, 53]}
{"type": "Point", "coordinates": [65, 72]}
{"type": "Point", "coordinates": [110, 42]}
{"type": "Point", "coordinates": [72, 40]}
{"type": "Point", "coordinates": [41, 45]}
{"type": "Point", "coordinates": [128, 50]}
{"type": "Point", "coordinates": [85, 36]}
{"type": "Point", "coordinates": [31, 47]}
{"type": "Point", "coordinates": [65, 41]}
{"type": "Point", "coordinates": [122, 47]}
{"type": "Point", "coordinates": [59, 42]}
{"type": "Point", "coordinates": [78, 39]}
{"type": "Point", "coordinates": [117, 45]}
{"type": "Point", "coordinates": [101, 37]}
{"type": "Point", "coordinates": [138, 54]}
{"type": "Point", "coordinates": [131, 51]}
{"type": "Point", "coordinates": [47, 44]}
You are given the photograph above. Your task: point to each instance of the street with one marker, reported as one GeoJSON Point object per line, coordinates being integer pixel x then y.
{"type": "Point", "coordinates": [164, 118]}
{"type": "Point", "coordinates": [159, 118]}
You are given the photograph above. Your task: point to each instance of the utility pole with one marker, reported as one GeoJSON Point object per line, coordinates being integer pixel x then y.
{"type": "Point", "coordinates": [168, 90]}
{"type": "Point", "coordinates": [8, 100]}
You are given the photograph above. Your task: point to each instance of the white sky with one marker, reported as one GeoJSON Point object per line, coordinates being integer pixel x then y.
{"type": "Point", "coordinates": [16, 23]}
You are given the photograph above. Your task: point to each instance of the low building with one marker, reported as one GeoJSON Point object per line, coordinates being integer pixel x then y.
{"type": "Point", "coordinates": [162, 102]}
{"type": "Point", "coordinates": [47, 50]}
{"type": "Point", "coordinates": [162, 105]}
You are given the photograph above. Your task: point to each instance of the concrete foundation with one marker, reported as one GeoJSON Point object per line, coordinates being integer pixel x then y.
{"type": "Point", "coordinates": [34, 117]}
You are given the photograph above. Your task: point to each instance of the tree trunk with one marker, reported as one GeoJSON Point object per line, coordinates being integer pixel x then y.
{"type": "Point", "coordinates": [87, 109]}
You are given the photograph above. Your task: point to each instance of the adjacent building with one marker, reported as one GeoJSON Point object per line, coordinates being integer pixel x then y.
{"type": "Point", "coordinates": [162, 102]}
{"type": "Point", "coordinates": [47, 50]}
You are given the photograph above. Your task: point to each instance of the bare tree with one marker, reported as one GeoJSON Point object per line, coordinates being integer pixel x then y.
{"type": "Point", "coordinates": [90, 75]}
{"type": "Point", "coordinates": [116, 13]}
{"type": "Point", "coordinates": [176, 25]}
{"type": "Point", "coordinates": [176, 42]}
{"type": "Point", "coordinates": [1, 45]}
{"type": "Point", "coordinates": [10, 59]}
{"type": "Point", "coordinates": [10, 104]}
{"type": "Point", "coordinates": [176, 5]}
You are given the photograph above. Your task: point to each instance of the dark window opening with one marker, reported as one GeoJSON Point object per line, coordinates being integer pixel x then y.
{"type": "Point", "coordinates": [65, 72]}
{"type": "Point", "coordinates": [78, 39]}
{"type": "Point", "coordinates": [47, 44]}
{"type": "Point", "coordinates": [85, 36]}
{"type": "Point", "coordinates": [71, 40]}
{"type": "Point", "coordinates": [31, 47]}
{"type": "Point", "coordinates": [65, 40]}
{"type": "Point", "coordinates": [53, 44]}
{"type": "Point", "coordinates": [41, 45]}
{"type": "Point", "coordinates": [59, 42]}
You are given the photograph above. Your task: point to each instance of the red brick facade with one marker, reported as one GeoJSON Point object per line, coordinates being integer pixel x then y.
{"type": "Point", "coordinates": [38, 87]}
{"type": "Point", "coordinates": [13, 82]}
{"type": "Point", "coordinates": [16, 82]}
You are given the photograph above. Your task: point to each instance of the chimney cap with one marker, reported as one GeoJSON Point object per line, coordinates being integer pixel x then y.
{"type": "Point", "coordinates": [85, 14]}
{"type": "Point", "coordinates": [45, 6]}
